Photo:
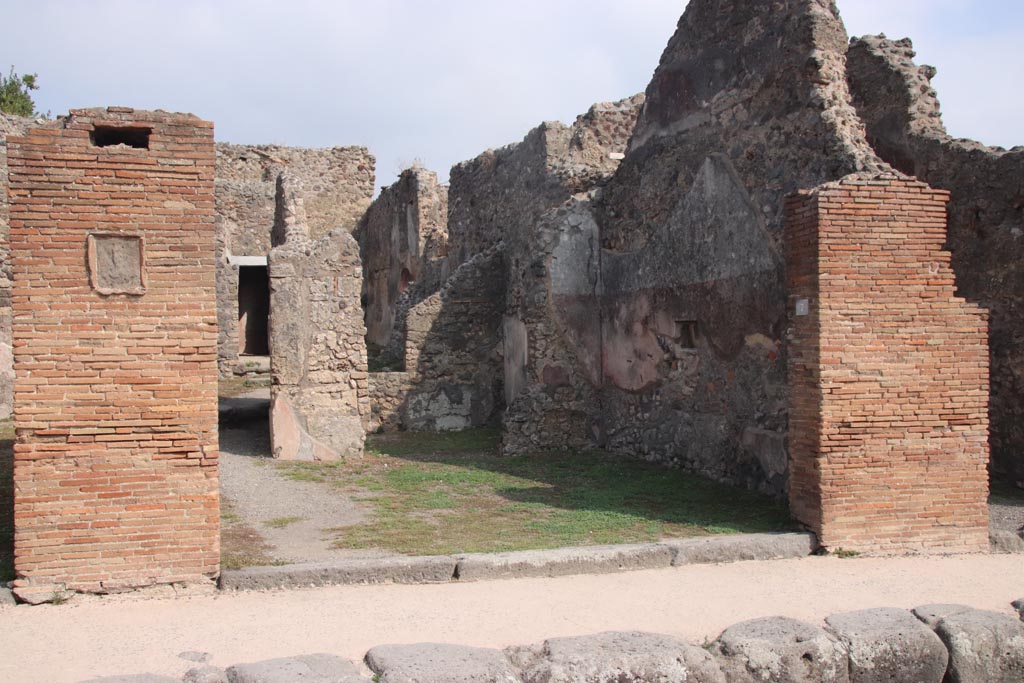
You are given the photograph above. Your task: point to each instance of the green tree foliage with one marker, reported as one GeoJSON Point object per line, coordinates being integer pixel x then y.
{"type": "Point", "coordinates": [14, 94]}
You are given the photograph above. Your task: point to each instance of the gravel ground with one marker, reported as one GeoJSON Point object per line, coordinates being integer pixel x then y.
{"type": "Point", "coordinates": [1009, 516]}
{"type": "Point", "coordinates": [258, 493]}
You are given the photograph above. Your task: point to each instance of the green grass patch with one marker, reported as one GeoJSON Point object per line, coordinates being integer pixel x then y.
{"type": "Point", "coordinates": [447, 493]}
{"type": "Point", "coordinates": [282, 522]}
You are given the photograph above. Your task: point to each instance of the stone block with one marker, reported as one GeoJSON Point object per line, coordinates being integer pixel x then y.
{"type": "Point", "coordinates": [615, 656]}
{"type": "Point", "coordinates": [430, 569]}
{"type": "Point", "coordinates": [740, 547]}
{"type": "Point", "coordinates": [934, 613]}
{"type": "Point", "coordinates": [983, 647]}
{"type": "Point", "coordinates": [780, 650]}
{"type": "Point", "coordinates": [317, 668]}
{"type": "Point", "coordinates": [1005, 541]}
{"type": "Point", "coordinates": [439, 663]}
{"type": "Point", "coordinates": [134, 678]}
{"type": "Point", "coordinates": [889, 646]}
{"type": "Point", "coordinates": [563, 561]}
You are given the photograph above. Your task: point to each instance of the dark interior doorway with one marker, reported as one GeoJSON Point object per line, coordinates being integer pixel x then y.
{"type": "Point", "coordinates": [253, 311]}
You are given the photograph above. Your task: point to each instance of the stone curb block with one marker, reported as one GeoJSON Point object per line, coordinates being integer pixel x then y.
{"type": "Point", "coordinates": [1003, 541]}
{"type": "Point", "coordinates": [741, 547]}
{"type": "Point", "coordinates": [602, 559]}
{"type": "Point", "coordinates": [431, 569]}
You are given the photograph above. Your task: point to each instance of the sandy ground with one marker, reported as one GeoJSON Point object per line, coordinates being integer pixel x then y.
{"type": "Point", "coordinates": [122, 635]}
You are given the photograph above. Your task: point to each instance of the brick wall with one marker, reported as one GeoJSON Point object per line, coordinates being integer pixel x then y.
{"type": "Point", "coordinates": [114, 351]}
{"type": "Point", "coordinates": [888, 372]}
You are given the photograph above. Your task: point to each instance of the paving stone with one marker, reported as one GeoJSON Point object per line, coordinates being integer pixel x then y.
{"type": "Point", "coordinates": [439, 663]}
{"type": "Point", "coordinates": [205, 674]}
{"type": "Point", "coordinates": [984, 647]}
{"type": "Point", "coordinates": [889, 645]}
{"type": "Point", "coordinates": [434, 569]}
{"type": "Point", "coordinates": [741, 547]}
{"type": "Point", "coordinates": [317, 668]}
{"type": "Point", "coordinates": [563, 561]}
{"type": "Point", "coordinates": [134, 678]}
{"type": "Point", "coordinates": [780, 650]}
{"type": "Point", "coordinates": [613, 657]}
{"type": "Point", "coordinates": [934, 613]}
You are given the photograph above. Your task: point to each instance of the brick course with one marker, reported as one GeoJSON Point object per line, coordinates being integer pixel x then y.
{"type": "Point", "coordinates": [116, 394]}
{"type": "Point", "coordinates": [888, 372]}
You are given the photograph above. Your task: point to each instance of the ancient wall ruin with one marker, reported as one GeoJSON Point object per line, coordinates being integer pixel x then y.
{"type": "Point", "coordinates": [112, 243]}
{"type": "Point", "coordinates": [888, 372]}
{"type": "Point", "coordinates": [895, 99]}
{"type": "Point", "coordinates": [318, 400]}
{"type": "Point", "coordinates": [403, 242]}
{"type": "Point", "coordinates": [503, 193]}
{"type": "Point", "coordinates": [667, 287]}
{"type": "Point", "coordinates": [337, 186]}
{"type": "Point", "coordinates": [452, 378]}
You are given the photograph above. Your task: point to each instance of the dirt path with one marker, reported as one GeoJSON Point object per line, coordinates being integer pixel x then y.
{"type": "Point", "coordinates": [295, 518]}
{"type": "Point", "coordinates": [118, 635]}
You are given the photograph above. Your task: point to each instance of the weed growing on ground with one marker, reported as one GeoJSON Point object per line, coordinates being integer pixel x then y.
{"type": "Point", "coordinates": [282, 522]}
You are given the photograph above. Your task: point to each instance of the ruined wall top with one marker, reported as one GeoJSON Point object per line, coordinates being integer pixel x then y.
{"type": "Point", "coordinates": [338, 181]}
{"type": "Point", "coordinates": [502, 192]}
{"type": "Point", "coordinates": [909, 97]}
{"type": "Point", "coordinates": [764, 83]}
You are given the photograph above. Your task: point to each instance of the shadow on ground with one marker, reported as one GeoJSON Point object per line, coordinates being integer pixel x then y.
{"type": "Point", "coordinates": [593, 481]}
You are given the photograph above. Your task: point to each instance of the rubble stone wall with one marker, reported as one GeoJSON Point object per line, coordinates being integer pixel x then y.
{"type": "Point", "coordinates": [319, 395]}
{"type": "Point", "coordinates": [337, 187]}
{"type": "Point", "coordinates": [888, 373]}
{"type": "Point", "coordinates": [403, 241]}
{"type": "Point", "coordinates": [895, 99]}
{"type": "Point", "coordinates": [453, 349]}
{"type": "Point", "coordinates": [667, 285]}
{"type": "Point", "coordinates": [115, 351]}
{"type": "Point", "coordinates": [504, 192]}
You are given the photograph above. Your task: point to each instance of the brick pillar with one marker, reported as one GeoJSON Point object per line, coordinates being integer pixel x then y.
{"type": "Point", "coordinates": [888, 372]}
{"type": "Point", "coordinates": [115, 334]}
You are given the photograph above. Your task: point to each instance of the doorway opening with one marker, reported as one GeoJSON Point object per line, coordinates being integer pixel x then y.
{"type": "Point", "coordinates": [253, 310]}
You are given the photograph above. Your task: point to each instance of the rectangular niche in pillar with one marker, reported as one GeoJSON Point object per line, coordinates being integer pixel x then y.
{"type": "Point", "coordinates": [117, 263]}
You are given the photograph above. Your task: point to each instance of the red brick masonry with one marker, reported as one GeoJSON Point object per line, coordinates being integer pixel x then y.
{"type": "Point", "coordinates": [116, 378]}
{"type": "Point", "coordinates": [888, 372]}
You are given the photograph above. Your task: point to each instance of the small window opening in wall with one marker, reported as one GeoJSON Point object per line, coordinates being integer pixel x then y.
{"type": "Point", "coordinates": [686, 333]}
{"type": "Point", "coordinates": [130, 136]}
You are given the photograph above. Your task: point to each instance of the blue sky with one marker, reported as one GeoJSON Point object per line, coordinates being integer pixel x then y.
{"type": "Point", "coordinates": [439, 82]}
